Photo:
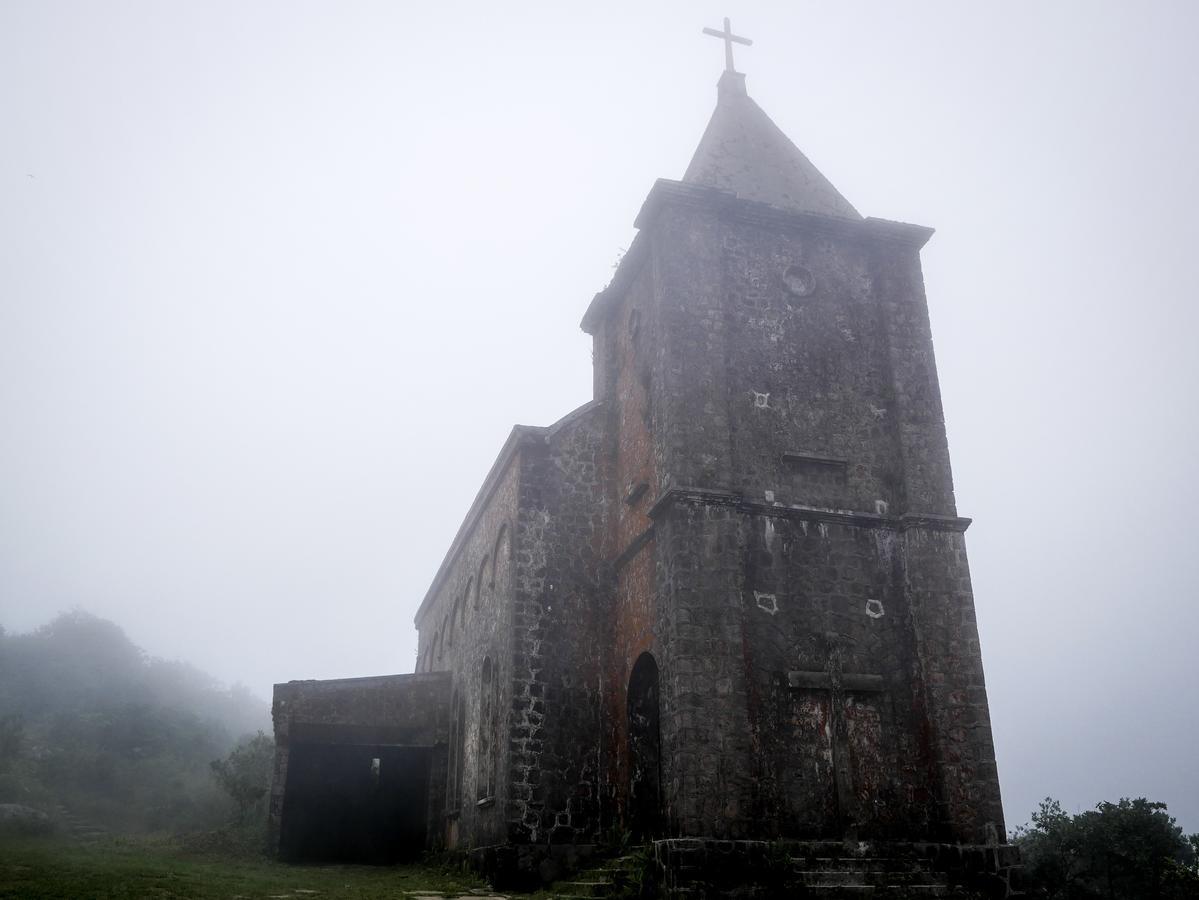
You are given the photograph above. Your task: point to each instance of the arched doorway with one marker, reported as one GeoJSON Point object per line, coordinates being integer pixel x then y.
{"type": "Point", "coordinates": [645, 750]}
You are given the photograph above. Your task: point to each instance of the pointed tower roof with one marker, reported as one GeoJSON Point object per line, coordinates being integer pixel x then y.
{"type": "Point", "coordinates": [744, 152]}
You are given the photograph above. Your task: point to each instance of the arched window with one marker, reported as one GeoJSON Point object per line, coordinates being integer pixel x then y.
{"type": "Point", "coordinates": [502, 566]}
{"type": "Point", "coordinates": [479, 584]}
{"type": "Point", "coordinates": [456, 617]}
{"type": "Point", "coordinates": [470, 583]}
{"type": "Point", "coordinates": [488, 730]}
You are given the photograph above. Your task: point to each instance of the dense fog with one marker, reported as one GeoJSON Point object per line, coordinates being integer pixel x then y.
{"type": "Point", "coordinates": [276, 280]}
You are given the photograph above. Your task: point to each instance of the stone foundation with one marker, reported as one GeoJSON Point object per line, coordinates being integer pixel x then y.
{"type": "Point", "coordinates": [710, 868]}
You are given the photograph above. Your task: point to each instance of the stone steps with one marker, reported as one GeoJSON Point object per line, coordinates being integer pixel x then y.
{"type": "Point", "coordinates": [610, 878]}
{"type": "Point", "coordinates": [602, 888]}
{"type": "Point", "coordinates": [818, 877]}
{"type": "Point", "coordinates": [866, 876]}
{"type": "Point", "coordinates": [878, 891]}
{"type": "Point", "coordinates": [860, 863]}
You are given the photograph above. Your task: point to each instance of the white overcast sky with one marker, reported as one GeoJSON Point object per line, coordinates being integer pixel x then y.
{"type": "Point", "coordinates": [276, 278]}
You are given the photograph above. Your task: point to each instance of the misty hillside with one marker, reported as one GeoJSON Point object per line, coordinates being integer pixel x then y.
{"type": "Point", "coordinates": [90, 723]}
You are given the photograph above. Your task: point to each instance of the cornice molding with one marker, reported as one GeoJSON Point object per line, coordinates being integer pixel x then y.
{"type": "Point", "coordinates": [667, 193]}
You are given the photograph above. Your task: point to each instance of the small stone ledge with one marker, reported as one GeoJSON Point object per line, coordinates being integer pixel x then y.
{"type": "Point", "coordinates": [930, 522]}
{"type": "Point", "coordinates": [854, 518]}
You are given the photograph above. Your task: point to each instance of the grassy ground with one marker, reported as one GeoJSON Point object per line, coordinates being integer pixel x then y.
{"type": "Point", "coordinates": [129, 869]}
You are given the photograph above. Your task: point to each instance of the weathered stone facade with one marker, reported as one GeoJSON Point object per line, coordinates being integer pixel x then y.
{"type": "Point", "coordinates": [727, 600]}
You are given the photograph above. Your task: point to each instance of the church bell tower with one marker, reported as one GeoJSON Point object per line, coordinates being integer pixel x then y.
{"type": "Point", "coordinates": [787, 547]}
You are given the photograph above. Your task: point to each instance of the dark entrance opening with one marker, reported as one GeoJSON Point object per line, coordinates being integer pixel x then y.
{"type": "Point", "coordinates": [645, 762]}
{"type": "Point", "coordinates": [355, 803]}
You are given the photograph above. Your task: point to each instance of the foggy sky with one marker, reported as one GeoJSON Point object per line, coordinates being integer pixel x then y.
{"type": "Point", "coordinates": [277, 278]}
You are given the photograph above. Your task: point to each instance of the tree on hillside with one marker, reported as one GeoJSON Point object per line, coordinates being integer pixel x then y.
{"type": "Point", "coordinates": [245, 774]}
{"type": "Point", "coordinates": [1127, 850]}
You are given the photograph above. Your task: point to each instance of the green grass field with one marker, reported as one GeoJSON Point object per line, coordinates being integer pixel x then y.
{"type": "Point", "coordinates": [133, 869]}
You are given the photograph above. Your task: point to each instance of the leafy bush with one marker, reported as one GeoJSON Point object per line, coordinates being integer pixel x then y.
{"type": "Point", "coordinates": [1129, 850]}
{"type": "Point", "coordinates": [245, 775]}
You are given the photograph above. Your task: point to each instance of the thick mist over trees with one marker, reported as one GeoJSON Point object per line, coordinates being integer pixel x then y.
{"type": "Point", "coordinates": [92, 725]}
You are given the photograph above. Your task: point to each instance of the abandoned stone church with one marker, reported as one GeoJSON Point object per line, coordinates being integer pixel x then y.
{"type": "Point", "coordinates": [722, 606]}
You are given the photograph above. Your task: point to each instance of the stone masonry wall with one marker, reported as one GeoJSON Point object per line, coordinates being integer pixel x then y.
{"type": "Point", "coordinates": [689, 389]}
{"type": "Point", "coordinates": [467, 621]}
{"type": "Point", "coordinates": [708, 775]}
{"type": "Point", "coordinates": [798, 643]}
{"type": "Point", "coordinates": [812, 407]}
{"type": "Point", "coordinates": [826, 597]}
{"type": "Point", "coordinates": [553, 745]}
{"type": "Point", "coordinates": [950, 673]}
{"type": "Point", "coordinates": [628, 343]}
{"type": "Point", "coordinates": [795, 383]}
{"type": "Point", "coordinates": [796, 359]}
{"type": "Point", "coordinates": [919, 418]}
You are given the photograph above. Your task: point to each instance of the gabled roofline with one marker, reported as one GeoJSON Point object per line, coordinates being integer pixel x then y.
{"type": "Point", "coordinates": [571, 417]}
{"type": "Point", "coordinates": [521, 436]}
